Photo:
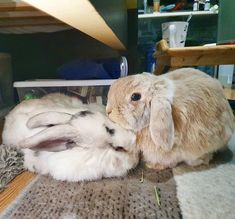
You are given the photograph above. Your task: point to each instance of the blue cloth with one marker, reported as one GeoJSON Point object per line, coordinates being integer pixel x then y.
{"type": "Point", "coordinates": [150, 60]}
{"type": "Point", "coordinates": [84, 69]}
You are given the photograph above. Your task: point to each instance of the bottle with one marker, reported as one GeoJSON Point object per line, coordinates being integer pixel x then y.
{"type": "Point", "coordinates": [145, 6]}
{"type": "Point", "coordinates": [195, 5]}
{"type": "Point", "coordinates": [156, 5]}
{"type": "Point", "coordinates": [207, 5]}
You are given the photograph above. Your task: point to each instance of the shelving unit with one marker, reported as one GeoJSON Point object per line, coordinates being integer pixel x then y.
{"type": "Point", "coordinates": [175, 14]}
{"type": "Point", "coordinates": [202, 29]}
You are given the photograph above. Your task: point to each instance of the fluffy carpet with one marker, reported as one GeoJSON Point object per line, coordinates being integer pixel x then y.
{"type": "Point", "coordinates": [11, 165]}
{"type": "Point", "coordinates": [208, 192]}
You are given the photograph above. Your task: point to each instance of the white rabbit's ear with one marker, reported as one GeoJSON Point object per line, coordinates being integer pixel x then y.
{"type": "Point", "coordinates": [48, 118]}
{"type": "Point", "coordinates": [161, 123]}
{"type": "Point", "coordinates": [56, 137]}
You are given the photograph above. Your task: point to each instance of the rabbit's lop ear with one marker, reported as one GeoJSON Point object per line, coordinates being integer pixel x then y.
{"type": "Point", "coordinates": [161, 123]}
{"type": "Point", "coordinates": [54, 138]}
{"type": "Point", "coordinates": [48, 118]}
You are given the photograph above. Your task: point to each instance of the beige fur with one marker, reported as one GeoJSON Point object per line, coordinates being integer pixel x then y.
{"type": "Point", "coordinates": [181, 116]}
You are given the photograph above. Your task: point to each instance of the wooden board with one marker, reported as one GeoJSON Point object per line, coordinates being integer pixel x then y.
{"type": "Point", "coordinates": [192, 56]}
{"type": "Point", "coordinates": [81, 15]}
{"type": "Point", "coordinates": [15, 188]}
{"type": "Point", "coordinates": [21, 15]}
{"type": "Point", "coordinates": [18, 6]}
{"type": "Point", "coordinates": [229, 93]}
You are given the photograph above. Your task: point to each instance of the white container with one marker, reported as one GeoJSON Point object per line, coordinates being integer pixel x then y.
{"type": "Point", "coordinates": [175, 33]}
{"type": "Point", "coordinates": [88, 91]}
{"type": "Point", "coordinates": [225, 75]}
{"type": "Point", "coordinates": [207, 5]}
{"type": "Point", "coordinates": [195, 5]}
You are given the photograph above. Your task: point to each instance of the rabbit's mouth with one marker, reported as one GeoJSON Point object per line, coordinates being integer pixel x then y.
{"type": "Point", "coordinates": [117, 148]}
{"type": "Point", "coordinates": [120, 149]}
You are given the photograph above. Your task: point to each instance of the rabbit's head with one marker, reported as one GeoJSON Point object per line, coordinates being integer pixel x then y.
{"type": "Point", "coordinates": [143, 100]}
{"type": "Point", "coordinates": [85, 129]}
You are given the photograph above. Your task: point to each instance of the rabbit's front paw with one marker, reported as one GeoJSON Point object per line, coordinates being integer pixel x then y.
{"type": "Point", "coordinates": [202, 160]}
{"type": "Point", "coordinates": [155, 166]}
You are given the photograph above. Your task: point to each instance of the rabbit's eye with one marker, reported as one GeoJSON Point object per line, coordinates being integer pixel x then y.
{"type": "Point", "coordinates": [135, 96]}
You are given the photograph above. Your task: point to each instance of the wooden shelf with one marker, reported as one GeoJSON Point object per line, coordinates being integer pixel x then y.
{"type": "Point", "coordinates": [16, 7]}
{"type": "Point", "coordinates": [175, 14]}
{"type": "Point", "coordinates": [82, 15]}
{"type": "Point", "coordinates": [229, 93]}
{"type": "Point", "coordinates": [24, 15]}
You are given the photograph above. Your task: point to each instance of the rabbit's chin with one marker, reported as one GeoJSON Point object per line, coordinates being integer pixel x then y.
{"type": "Point", "coordinates": [126, 123]}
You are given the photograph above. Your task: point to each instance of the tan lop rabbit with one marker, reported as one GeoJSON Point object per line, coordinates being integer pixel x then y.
{"type": "Point", "coordinates": [181, 116]}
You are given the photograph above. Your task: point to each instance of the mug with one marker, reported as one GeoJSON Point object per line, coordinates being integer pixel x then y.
{"type": "Point", "coordinates": [175, 33]}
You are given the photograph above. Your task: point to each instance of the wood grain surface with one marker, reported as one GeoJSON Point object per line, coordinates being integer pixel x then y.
{"type": "Point", "coordinates": [15, 188]}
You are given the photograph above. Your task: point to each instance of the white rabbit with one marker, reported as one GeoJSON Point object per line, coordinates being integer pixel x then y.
{"type": "Point", "coordinates": [93, 146]}
{"type": "Point", "coordinates": [182, 116]}
{"type": "Point", "coordinates": [15, 126]}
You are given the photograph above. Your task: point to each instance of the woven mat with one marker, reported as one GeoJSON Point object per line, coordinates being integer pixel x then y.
{"type": "Point", "coordinates": [123, 197]}
{"type": "Point", "coordinates": [11, 165]}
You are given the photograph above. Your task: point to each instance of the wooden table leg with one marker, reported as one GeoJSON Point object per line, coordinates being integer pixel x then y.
{"type": "Point", "coordinates": [159, 69]}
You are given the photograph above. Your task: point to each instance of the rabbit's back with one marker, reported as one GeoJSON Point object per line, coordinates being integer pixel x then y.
{"type": "Point", "coordinates": [202, 116]}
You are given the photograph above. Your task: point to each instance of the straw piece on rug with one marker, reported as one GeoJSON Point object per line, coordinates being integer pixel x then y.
{"type": "Point", "coordinates": [11, 164]}
{"type": "Point", "coordinates": [123, 197]}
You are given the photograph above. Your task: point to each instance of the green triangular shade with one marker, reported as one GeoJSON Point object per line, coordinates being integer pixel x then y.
{"type": "Point", "coordinates": [226, 22]}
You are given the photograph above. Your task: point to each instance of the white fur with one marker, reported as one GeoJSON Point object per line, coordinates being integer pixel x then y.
{"type": "Point", "coordinates": [90, 151]}
{"type": "Point", "coordinates": [78, 164]}
{"type": "Point", "coordinates": [15, 128]}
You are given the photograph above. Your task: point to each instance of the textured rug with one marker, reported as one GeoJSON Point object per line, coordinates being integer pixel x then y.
{"type": "Point", "coordinates": [11, 165]}
{"type": "Point", "coordinates": [127, 197]}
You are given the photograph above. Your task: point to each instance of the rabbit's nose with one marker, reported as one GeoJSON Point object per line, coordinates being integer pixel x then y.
{"type": "Point", "coordinates": [108, 110]}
